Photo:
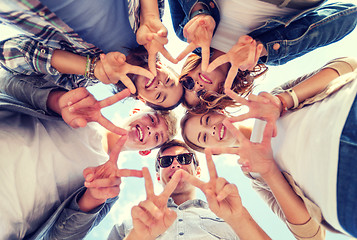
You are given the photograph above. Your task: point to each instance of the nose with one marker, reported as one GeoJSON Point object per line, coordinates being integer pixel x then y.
{"type": "Point", "coordinates": [213, 131]}
{"type": "Point", "coordinates": [197, 86]}
{"type": "Point", "coordinates": [175, 164]}
{"type": "Point", "coordinates": [159, 84]}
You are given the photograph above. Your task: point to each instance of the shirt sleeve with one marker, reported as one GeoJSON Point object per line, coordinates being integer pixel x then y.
{"type": "Point", "coordinates": [72, 223]}
{"type": "Point", "coordinates": [311, 230]}
{"type": "Point", "coordinates": [24, 55]}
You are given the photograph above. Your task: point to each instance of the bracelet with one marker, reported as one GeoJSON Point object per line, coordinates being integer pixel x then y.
{"type": "Point", "coordinates": [283, 103]}
{"type": "Point", "coordinates": [199, 12]}
{"type": "Point", "coordinates": [92, 65]}
{"type": "Point", "coordinates": [292, 94]}
{"type": "Point", "coordinates": [87, 66]}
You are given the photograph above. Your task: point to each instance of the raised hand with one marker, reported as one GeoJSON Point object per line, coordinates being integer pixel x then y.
{"type": "Point", "coordinates": [152, 34]}
{"type": "Point", "coordinates": [265, 107]}
{"type": "Point", "coordinates": [254, 157]}
{"type": "Point", "coordinates": [112, 68]}
{"type": "Point", "coordinates": [198, 32]}
{"type": "Point", "coordinates": [222, 197]}
{"type": "Point", "coordinates": [78, 107]}
{"type": "Point", "coordinates": [104, 181]}
{"type": "Point", "coordinates": [243, 55]}
{"type": "Point", "coordinates": [152, 217]}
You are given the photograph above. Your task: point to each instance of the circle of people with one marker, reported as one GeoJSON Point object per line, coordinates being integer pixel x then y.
{"type": "Point", "coordinates": [48, 140]}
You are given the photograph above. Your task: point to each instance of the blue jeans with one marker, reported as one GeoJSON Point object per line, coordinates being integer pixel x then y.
{"type": "Point", "coordinates": [347, 174]}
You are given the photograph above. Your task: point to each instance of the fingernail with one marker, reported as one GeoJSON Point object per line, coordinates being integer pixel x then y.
{"type": "Point", "coordinates": [71, 109]}
{"type": "Point", "coordinates": [69, 103]}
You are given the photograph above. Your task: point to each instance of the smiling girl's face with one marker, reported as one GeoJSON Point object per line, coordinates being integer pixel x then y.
{"type": "Point", "coordinates": [207, 130]}
{"type": "Point", "coordinates": [164, 90]}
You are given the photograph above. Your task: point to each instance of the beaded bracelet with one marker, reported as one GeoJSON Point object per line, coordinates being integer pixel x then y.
{"type": "Point", "coordinates": [283, 103]}
{"type": "Point", "coordinates": [87, 66]}
{"type": "Point", "coordinates": [92, 65]}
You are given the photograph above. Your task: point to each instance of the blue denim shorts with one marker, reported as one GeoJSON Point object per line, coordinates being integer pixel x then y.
{"type": "Point", "coordinates": [347, 174]}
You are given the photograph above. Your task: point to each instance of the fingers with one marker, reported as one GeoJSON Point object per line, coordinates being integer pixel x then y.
{"type": "Point", "coordinates": [149, 187]}
{"type": "Point", "coordinates": [168, 56]}
{"type": "Point", "coordinates": [103, 183]}
{"type": "Point", "coordinates": [259, 98]}
{"type": "Point", "coordinates": [268, 133]}
{"type": "Point", "coordinates": [171, 185]}
{"type": "Point", "coordinates": [186, 51]}
{"type": "Point", "coordinates": [141, 71]}
{"type": "Point", "coordinates": [152, 63]}
{"type": "Point", "coordinates": [210, 164]}
{"type": "Point", "coordinates": [129, 173]}
{"type": "Point", "coordinates": [169, 217]}
{"type": "Point", "coordinates": [78, 122]}
{"type": "Point", "coordinates": [205, 58]}
{"type": "Point", "coordinates": [114, 153]}
{"type": "Point", "coordinates": [226, 150]}
{"type": "Point", "coordinates": [110, 126]}
{"type": "Point", "coordinates": [230, 77]}
{"type": "Point", "coordinates": [151, 208]}
{"type": "Point", "coordinates": [241, 138]}
{"type": "Point", "coordinates": [230, 93]}
{"type": "Point", "coordinates": [115, 98]}
{"type": "Point", "coordinates": [258, 52]}
{"type": "Point", "coordinates": [217, 62]}
{"type": "Point", "coordinates": [227, 190]}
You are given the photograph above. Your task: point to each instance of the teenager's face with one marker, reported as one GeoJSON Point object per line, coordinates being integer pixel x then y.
{"type": "Point", "coordinates": [146, 131]}
{"type": "Point", "coordinates": [204, 80]}
{"type": "Point", "coordinates": [207, 130]}
{"type": "Point", "coordinates": [166, 174]}
{"type": "Point", "coordinates": [164, 90]}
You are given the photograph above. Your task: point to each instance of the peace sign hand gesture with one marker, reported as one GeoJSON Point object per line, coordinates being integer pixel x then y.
{"type": "Point", "coordinates": [198, 32]}
{"type": "Point", "coordinates": [104, 181]}
{"type": "Point", "coordinates": [222, 197]}
{"type": "Point", "coordinates": [78, 107]}
{"type": "Point", "coordinates": [152, 217]}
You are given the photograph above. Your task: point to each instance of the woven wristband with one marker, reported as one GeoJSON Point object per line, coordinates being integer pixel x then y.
{"type": "Point", "coordinates": [87, 66]}
{"type": "Point", "coordinates": [93, 63]}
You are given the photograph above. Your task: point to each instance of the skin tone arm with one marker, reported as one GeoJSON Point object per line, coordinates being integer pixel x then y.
{"type": "Point", "coordinates": [224, 201]}
{"type": "Point", "coordinates": [258, 157]}
{"type": "Point", "coordinates": [152, 217]}
{"type": "Point", "coordinates": [111, 67]}
{"type": "Point", "coordinates": [78, 107]}
{"type": "Point", "coordinates": [103, 182]}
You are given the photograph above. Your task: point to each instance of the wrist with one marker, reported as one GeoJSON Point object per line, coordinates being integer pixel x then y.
{"type": "Point", "coordinates": [88, 202]}
{"type": "Point", "coordinates": [53, 100]}
{"type": "Point", "coordinates": [271, 173]}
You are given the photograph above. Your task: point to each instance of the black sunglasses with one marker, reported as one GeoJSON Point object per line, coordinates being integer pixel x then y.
{"type": "Point", "coordinates": [183, 159]}
{"type": "Point", "coordinates": [188, 83]}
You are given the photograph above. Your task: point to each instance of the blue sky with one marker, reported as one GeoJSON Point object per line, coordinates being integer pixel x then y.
{"type": "Point", "coordinates": [133, 189]}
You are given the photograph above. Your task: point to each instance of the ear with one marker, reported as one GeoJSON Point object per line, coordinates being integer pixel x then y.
{"type": "Point", "coordinates": [198, 171]}
{"type": "Point", "coordinates": [141, 99]}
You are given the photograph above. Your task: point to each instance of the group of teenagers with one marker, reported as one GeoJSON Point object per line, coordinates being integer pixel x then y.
{"type": "Point", "coordinates": [60, 173]}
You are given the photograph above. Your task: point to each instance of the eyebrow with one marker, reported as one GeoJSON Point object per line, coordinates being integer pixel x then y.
{"type": "Point", "coordinates": [163, 99]}
{"type": "Point", "coordinates": [201, 118]}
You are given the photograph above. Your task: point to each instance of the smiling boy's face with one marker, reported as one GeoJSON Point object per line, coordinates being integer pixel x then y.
{"type": "Point", "coordinates": [146, 131]}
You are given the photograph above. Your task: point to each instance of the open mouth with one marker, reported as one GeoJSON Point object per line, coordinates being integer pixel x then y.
{"type": "Point", "coordinates": [150, 82]}
{"type": "Point", "coordinates": [222, 132]}
{"type": "Point", "coordinates": [140, 133]}
{"type": "Point", "coordinates": [205, 78]}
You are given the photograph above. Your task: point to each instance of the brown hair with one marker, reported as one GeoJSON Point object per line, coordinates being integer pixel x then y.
{"type": "Point", "coordinates": [171, 122]}
{"type": "Point", "coordinates": [174, 143]}
{"type": "Point", "coordinates": [242, 84]}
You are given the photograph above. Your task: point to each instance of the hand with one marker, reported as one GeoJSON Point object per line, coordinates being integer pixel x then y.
{"type": "Point", "coordinates": [265, 107]}
{"type": "Point", "coordinates": [112, 68]}
{"type": "Point", "coordinates": [243, 55]}
{"type": "Point", "coordinates": [254, 157]}
{"type": "Point", "coordinates": [78, 107]}
{"type": "Point", "coordinates": [198, 32]}
{"type": "Point", "coordinates": [152, 217]}
{"type": "Point", "coordinates": [104, 181]}
{"type": "Point", "coordinates": [152, 34]}
{"type": "Point", "coordinates": [222, 197]}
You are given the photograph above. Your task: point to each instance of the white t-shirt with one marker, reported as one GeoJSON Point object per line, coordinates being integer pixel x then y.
{"type": "Point", "coordinates": [41, 164]}
{"type": "Point", "coordinates": [307, 146]}
{"type": "Point", "coordinates": [240, 18]}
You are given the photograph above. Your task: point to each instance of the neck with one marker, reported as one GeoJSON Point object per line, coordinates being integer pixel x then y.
{"type": "Point", "coordinates": [182, 197]}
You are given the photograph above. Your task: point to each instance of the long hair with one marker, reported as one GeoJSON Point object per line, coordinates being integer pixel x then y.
{"type": "Point", "coordinates": [242, 84]}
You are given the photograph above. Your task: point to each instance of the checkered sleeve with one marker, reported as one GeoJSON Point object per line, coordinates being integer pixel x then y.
{"type": "Point", "coordinates": [24, 55]}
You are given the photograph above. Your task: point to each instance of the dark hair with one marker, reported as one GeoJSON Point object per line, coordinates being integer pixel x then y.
{"type": "Point", "coordinates": [242, 84]}
{"type": "Point", "coordinates": [139, 57]}
{"type": "Point", "coordinates": [174, 143]}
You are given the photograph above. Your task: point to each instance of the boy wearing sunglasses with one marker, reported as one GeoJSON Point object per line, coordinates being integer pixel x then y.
{"type": "Point", "coordinates": [177, 214]}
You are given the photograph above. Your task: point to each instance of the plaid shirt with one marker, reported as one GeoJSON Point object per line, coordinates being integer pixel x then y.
{"type": "Point", "coordinates": [31, 53]}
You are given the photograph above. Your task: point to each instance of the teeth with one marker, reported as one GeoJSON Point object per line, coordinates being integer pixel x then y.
{"type": "Point", "coordinates": [205, 79]}
{"type": "Point", "coordinates": [222, 132]}
{"type": "Point", "coordinates": [149, 82]}
{"type": "Point", "coordinates": [140, 133]}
